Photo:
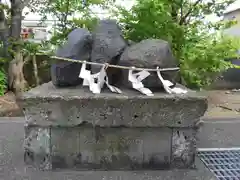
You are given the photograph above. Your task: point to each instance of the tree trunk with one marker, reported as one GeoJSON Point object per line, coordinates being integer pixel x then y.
{"type": "Point", "coordinates": [17, 81]}
{"type": "Point", "coordinates": [16, 23]}
{"type": "Point", "coordinates": [35, 70]}
{"type": "Point", "coordinates": [3, 33]}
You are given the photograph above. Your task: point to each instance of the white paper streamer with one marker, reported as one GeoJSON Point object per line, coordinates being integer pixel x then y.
{"type": "Point", "coordinates": [103, 79]}
{"type": "Point", "coordinates": [136, 79]}
{"type": "Point", "coordinates": [179, 90]}
{"type": "Point", "coordinates": [89, 80]}
{"type": "Point", "coordinates": [95, 86]}
{"type": "Point", "coordinates": [167, 84]}
{"type": "Point", "coordinates": [85, 75]}
{"type": "Point", "coordinates": [112, 88]}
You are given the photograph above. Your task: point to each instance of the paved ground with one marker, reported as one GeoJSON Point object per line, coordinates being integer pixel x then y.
{"type": "Point", "coordinates": [220, 133]}
{"type": "Point", "coordinates": [223, 104]}
{"type": "Point", "coordinates": [214, 133]}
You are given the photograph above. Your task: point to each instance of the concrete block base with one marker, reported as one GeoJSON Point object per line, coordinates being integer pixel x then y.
{"type": "Point", "coordinates": [90, 148]}
{"type": "Point", "coordinates": [72, 128]}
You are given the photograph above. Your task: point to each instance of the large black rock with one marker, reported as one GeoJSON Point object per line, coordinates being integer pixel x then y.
{"type": "Point", "coordinates": [77, 47]}
{"type": "Point", "coordinates": [108, 43]}
{"type": "Point", "coordinates": [148, 53]}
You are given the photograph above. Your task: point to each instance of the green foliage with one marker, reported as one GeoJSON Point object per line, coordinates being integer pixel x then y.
{"type": "Point", "coordinates": [151, 19]}
{"type": "Point", "coordinates": [65, 13]}
{"type": "Point", "coordinates": [85, 21]}
{"type": "Point", "coordinates": [201, 54]}
{"type": "Point", "coordinates": [202, 61]}
{"type": "Point", "coordinates": [30, 48]}
{"type": "Point", "coordinates": [3, 78]}
{"type": "Point", "coordinates": [3, 82]}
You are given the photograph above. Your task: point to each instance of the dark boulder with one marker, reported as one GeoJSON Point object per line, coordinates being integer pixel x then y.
{"type": "Point", "coordinates": [149, 53]}
{"type": "Point", "coordinates": [108, 43]}
{"type": "Point", "coordinates": [77, 47]}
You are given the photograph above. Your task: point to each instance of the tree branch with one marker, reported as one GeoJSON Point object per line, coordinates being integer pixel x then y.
{"type": "Point", "coordinates": [181, 10]}
{"type": "Point", "coordinates": [174, 10]}
{"type": "Point", "coordinates": [3, 32]}
{"type": "Point", "coordinates": [27, 59]}
{"type": "Point", "coordinates": [23, 3]}
{"type": "Point", "coordinates": [66, 13]}
{"type": "Point", "coordinates": [183, 19]}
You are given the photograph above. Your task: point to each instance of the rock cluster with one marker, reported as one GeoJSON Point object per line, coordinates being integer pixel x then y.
{"type": "Point", "coordinates": [107, 45]}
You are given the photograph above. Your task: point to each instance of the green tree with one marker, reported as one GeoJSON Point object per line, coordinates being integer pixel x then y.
{"type": "Point", "coordinates": [69, 14]}
{"type": "Point", "coordinates": [10, 29]}
{"type": "Point", "coordinates": [181, 22]}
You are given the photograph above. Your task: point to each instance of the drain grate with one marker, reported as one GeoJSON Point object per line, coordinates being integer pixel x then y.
{"type": "Point", "coordinates": [224, 163]}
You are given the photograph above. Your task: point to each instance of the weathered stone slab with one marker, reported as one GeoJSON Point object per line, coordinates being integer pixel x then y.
{"type": "Point", "coordinates": [73, 128]}
{"type": "Point", "coordinates": [119, 148]}
{"type": "Point", "coordinates": [49, 106]}
{"type": "Point", "coordinates": [133, 148]}
{"type": "Point", "coordinates": [107, 148]}
{"type": "Point", "coordinates": [156, 148]}
{"type": "Point", "coordinates": [72, 147]}
{"type": "Point", "coordinates": [183, 147]}
{"type": "Point", "coordinates": [37, 149]}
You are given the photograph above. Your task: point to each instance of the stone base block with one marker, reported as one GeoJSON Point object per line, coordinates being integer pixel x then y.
{"type": "Point", "coordinates": [89, 148]}
{"type": "Point", "coordinates": [183, 147]}
{"type": "Point", "coordinates": [73, 128]}
{"type": "Point", "coordinates": [49, 106]}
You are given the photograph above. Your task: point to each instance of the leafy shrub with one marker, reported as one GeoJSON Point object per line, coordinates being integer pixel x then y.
{"type": "Point", "coordinates": [201, 61]}
{"type": "Point", "coordinates": [3, 82]}
{"type": "Point", "coordinates": [151, 19]}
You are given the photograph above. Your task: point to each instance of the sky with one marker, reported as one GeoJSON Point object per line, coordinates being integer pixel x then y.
{"type": "Point", "coordinates": [128, 4]}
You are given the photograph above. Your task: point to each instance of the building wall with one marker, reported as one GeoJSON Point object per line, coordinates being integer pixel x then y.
{"type": "Point", "coordinates": [235, 29]}
{"type": "Point", "coordinates": [234, 15]}
{"type": "Point", "coordinates": [40, 30]}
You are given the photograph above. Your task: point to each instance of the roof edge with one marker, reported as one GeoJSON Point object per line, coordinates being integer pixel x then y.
{"type": "Point", "coordinates": [232, 10]}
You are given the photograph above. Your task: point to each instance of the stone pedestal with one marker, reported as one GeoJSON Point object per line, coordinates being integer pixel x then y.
{"type": "Point", "coordinates": [73, 128]}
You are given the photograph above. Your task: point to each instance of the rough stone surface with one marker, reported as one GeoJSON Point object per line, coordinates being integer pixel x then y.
{"type": "Point", "coordinates": [78, 47]}
{"type": "Point", "coordinates": [108, 43]}
{"type": "Point", "coordinates": [72, 147]}
{"type": "Point", "coordinates": [183, 147]}
{"type": "Point", "coordinates": [149, 53]}
{"type": "Point", "coordinates": [89, 148]}
{"type": "Point", "coordinates": [157, 148]}
{"type": "Point", "coordinates": [133, 148]}
{"type": "Point", "coordinates": [46, 105]}
{"type": "Point", "coordinates": [73, 128]}
{"type": "Point", "coordinates": [107, 148]}
{"type": "Point", "coordinates": [37, 147]}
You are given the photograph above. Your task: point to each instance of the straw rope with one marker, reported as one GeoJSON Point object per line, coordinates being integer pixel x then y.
{"type": "Point", "coordinates": [115, 66]}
